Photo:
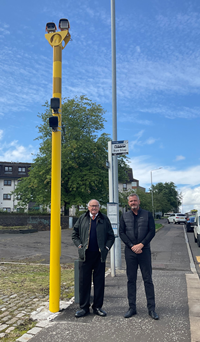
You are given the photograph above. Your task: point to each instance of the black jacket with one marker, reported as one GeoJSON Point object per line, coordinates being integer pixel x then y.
{"type": "Point", "coordinates": [81, 233]}
{"type": "Point", "coordinates": [146, 228]}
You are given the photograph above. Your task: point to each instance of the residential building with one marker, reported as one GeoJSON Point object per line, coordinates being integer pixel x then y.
{"type": "Point", "coordinates": [130, 184]}
{"type": "Point", "coordinates": [10, 174]}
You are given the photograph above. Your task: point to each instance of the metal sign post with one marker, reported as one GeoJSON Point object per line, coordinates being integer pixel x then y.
{"type": "Point", "coordinates": [111, 199]}
{"type": "Point", "coordinates": [118, 148]}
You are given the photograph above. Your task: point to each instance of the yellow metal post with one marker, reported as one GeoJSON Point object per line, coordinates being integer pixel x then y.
{"type": "Point", "coordinates": [55, 40]}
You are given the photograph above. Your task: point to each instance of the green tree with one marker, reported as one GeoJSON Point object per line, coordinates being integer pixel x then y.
{"type": "Point", "coordinates": [166, 197]}
{"type": "Point", "coordinates": [145, 199]}
{"type": "Point", "coordinates": [84, 153]}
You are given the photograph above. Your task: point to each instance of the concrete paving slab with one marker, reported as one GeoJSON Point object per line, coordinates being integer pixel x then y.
{"type": "Point", "coordinates": [194, 293]}
{"type": "Point", "coordinates": [24, 338]}
{"type": "Point", "coordinates": [194, 307]}
{"type": "Point", "coordinates": [195, 329]}
{"type": "Point", "coordinates": [172, 306]}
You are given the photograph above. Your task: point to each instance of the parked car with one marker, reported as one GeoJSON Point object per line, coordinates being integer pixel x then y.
{"type": "Point", "coordinates": [190, 224]}
{"type": "Point", "coordinates": [176, 218]}
{"type": "Point", "coordinates": [197, 229]}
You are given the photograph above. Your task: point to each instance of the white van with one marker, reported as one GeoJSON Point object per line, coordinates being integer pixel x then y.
{"type": "Point", "coordinates": [197, 229]}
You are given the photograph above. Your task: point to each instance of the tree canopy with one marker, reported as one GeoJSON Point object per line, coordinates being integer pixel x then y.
{"type": "Point", "coordinates": [165, 198]}
{"type": "Point", "coordinates": [84, 153]}
{"type": "Point", "coordinates": [145, 199]}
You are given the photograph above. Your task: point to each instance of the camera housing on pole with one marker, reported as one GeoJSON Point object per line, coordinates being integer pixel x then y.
{"type": "Point", "coordinates": [64, 24]}
{"type": "Point", "coordinates": [55, 104]}
{"type": "Point", "coordinates": [51, 27]}
{"type": "Point", "coordinates": [53, 123]}
{"type": "Point", "coordinates": [53, 120]}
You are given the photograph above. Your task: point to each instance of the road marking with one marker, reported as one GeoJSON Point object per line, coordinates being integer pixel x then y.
{"type": "Point", "coordinates": [192, 265]}
{"type": "Point", "coordinates": [198, 258]}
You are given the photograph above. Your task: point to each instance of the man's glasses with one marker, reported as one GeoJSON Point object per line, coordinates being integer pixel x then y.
{"type": "Point", "coordinates": [94, 206]}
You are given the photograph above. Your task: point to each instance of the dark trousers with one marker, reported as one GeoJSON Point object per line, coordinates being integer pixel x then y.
{"type": "Point", "coordinates": [144, 261]}
{"type": "Point", "coordinates": [91, 266]}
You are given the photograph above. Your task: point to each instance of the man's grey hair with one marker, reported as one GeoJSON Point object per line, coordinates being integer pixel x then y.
{"type": "Point", "coordinates": [93, 200]}
{"type": "Point", "coordinates": [134, 194]}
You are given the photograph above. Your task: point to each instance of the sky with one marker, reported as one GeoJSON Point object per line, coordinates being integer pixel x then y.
{"type": "Point", "coordinates": [158, 80]}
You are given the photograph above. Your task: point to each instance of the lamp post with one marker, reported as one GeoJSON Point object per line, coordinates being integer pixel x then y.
{"type": "Point", "coordinates": [58, 40]}
{"type": "Point", "coordinates": [152, 189]}
{"type": "Point", "coordinates": [114, 132]}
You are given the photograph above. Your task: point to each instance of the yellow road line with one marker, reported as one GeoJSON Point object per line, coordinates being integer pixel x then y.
{"type": "Point", "coordinates": [198, 258]}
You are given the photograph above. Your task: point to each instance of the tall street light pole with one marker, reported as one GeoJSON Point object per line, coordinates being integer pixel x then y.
{"type": "Point", "coordinates": [152, 189]}
{"type": "Point", "coordinates": [114, 135]}
{"type": "Point", "coordinates": [58, 40]}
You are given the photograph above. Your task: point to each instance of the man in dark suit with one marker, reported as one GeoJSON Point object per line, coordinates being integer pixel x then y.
{"type": "Point", "coordinates": [137, 229]}
{"type": "Point", "coordinates": [93, 235]}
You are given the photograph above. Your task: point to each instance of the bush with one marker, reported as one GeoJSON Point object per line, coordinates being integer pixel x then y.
{"type": "Point", "coordinates": [103, 211]}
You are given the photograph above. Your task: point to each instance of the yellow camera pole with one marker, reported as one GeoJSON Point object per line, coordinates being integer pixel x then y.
{"type": "Point", "coordinates": [56, 39]}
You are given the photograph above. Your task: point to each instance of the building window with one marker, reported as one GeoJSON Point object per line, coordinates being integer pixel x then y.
{"type": "Point", "coordinates": [21, 169]}
{"type": "Point", "coordinates": [134, 184]}
{"type": "Point", "coordinates": [8, 169]}
{"type": "Point", "coordinates": [7, 209]}
{"type": "Point", "coordinates": [124, 187]}
{"type": "Point", "coordinates": [7, 182]}
{"type": "Point", "coordinates": [20, 210]}
{"type": "Point", "coordinates": [6, 196]}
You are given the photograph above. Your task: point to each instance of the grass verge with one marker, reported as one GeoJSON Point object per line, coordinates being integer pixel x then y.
{"type": "Point", "coordinates": [15, 227]}
{"type": "Point", "coordinates": [28, 280]}
{"type": "Point", "coordinates": [19, 331]}
{"type": "Point", "coordinates": [158, 226]}
{"type": "Point", "coordinates": [34, 279]}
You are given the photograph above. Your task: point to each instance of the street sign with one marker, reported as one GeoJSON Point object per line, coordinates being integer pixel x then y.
{"type": "Point", "coordinates": [120, 147]}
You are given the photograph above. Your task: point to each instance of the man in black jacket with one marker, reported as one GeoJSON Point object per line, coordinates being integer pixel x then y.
{"type": "Point", "coordinates": [137, 229]}
{"type": "Point", "coordinates": [93, 235]}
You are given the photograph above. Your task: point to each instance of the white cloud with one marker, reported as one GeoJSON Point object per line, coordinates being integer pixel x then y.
{"type": "Point", "coordinates": [138, 49]}
{"type": "Point", "coordinates": [4, 31]}
{"type": "Point", "coordinates": [123, 117]}
{"type": "Point", "coordinates": [142, 167]}
{"type": "Point", "coordinates": [1, 134]}
{"type": "Point", "coordinates": [180, 158]}
{"type": "Point", "coordinates": [150, 141]}
{"type": "Point", "coordinates": [172, 113]}
{"type": "Point", "coordinates": [138, 141]}
{"type": "Point", "coordinates": [191, 198]}
{"type": "Point", "coordinates": [15, 152]}
{"type": "Point", "coordinates": [187, 180]}
{"type": "Point", "coordinates": [144, 122]}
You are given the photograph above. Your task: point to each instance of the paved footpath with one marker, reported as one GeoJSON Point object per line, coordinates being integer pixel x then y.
{"type": "Point", "coordinates": [177, 288]}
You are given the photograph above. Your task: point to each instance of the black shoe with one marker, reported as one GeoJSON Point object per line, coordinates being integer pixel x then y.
{"type": "Point", "coordinates": [81, 313]}
{"type": "Point", "coordinates": [130, 313]}
{"type": "Point", "coordinates": [99, 312]}
{"type": "Point", "coordinates": [153, 314]}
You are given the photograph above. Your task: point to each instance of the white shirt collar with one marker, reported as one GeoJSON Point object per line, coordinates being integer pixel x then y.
{"type": "Point", "coordinates": [92, 215]}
